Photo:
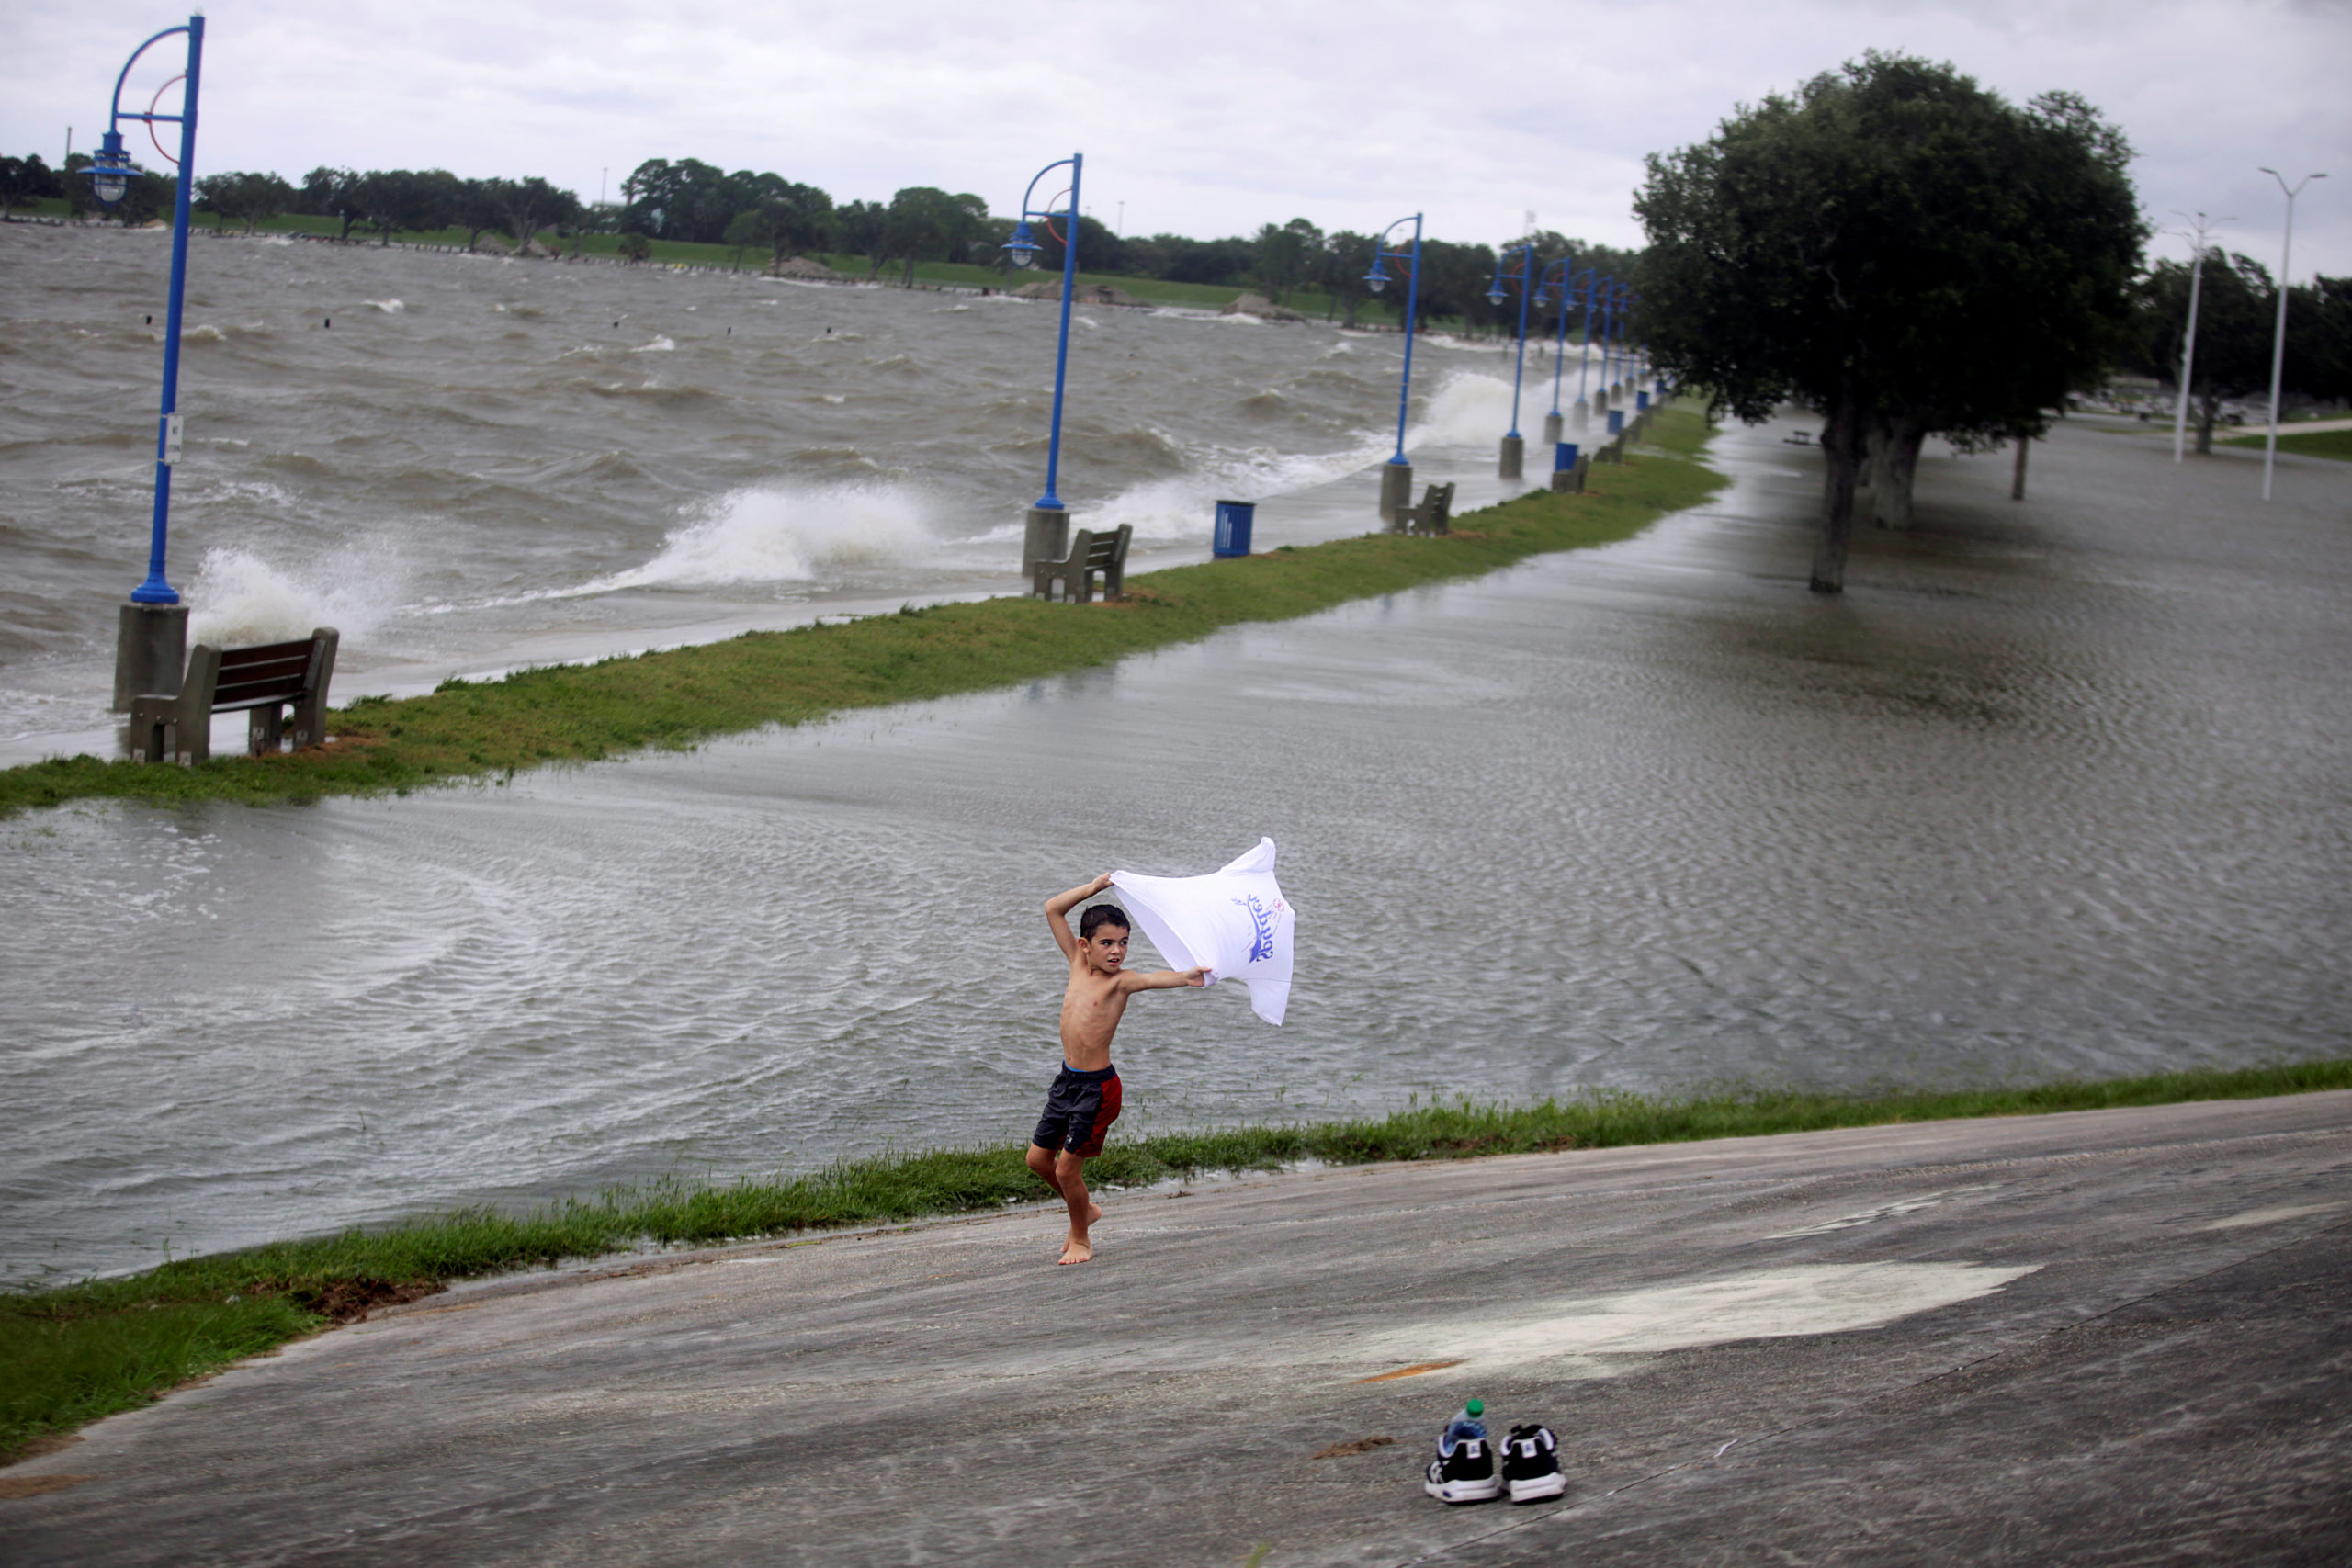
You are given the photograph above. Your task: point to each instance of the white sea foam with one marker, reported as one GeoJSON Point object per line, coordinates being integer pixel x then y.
{"type": "Point", "coordinates": [389, 307]}
{"type": "Point", "coordinates": [787, 534]}
{"type": "Point", "coordinates": [238, 597]}
{"type": "Point", "coordinates": [206, 333]}
{"type": "Point", "coordinates": [1175, 508]}
{"type": "Point", "coordinates": [658, 345]}
{"type": "Point", "coordinates": [1467, 408]}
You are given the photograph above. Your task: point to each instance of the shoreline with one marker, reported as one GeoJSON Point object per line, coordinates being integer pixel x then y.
{"type": "Point", "coordinates": [73, 1355]}
{"type": "Point", "coordinates": [677, 698]}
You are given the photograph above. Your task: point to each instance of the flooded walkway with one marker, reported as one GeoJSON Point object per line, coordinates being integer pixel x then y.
{"type": "Point", "coordinates": [2056, 788]}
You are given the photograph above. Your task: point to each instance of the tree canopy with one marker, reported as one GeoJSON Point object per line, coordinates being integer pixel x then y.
{"type": "Point", "coordinates": [1896, 248]}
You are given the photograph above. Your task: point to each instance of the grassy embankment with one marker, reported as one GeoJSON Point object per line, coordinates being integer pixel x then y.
{"type": "Point", "coordinates": [2311, 443]}
{"type": "Point", "coordinates": [70, 1356]}
{"type": "Point", "coordinates": [675, 699]}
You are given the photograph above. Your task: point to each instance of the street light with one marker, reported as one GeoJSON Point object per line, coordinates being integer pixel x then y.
{"type": "Point", "coordinates": [1594, 287]}
{"type": "Point", "coordinates": [1047, 536]}
{"type": "Point", "coordinates": [1565, 264]}
{"type": "Point", "coordinates": [1397, 474]}
{"type": "Point", "coordinates": [150, 644]}
{"type": "Point", "coordinates": [1514, 445]}
{"type": "Point", "coordinates": [2196, 238]}
{"type": "Point", "coordinates": [2278, 345]}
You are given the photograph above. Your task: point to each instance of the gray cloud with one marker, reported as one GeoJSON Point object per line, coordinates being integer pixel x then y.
{"type": "Point", "coordinates": [1203, 119]}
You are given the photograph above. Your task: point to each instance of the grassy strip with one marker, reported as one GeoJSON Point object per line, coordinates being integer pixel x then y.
{"type": "Point", "coordinates": [678, 699]}
{"type": "Point", "coordinates": [70, 1356]}
{"type": "Point", "coordinates": [2311, 443]}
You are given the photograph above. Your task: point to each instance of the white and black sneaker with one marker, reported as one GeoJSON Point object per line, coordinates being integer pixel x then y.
{"type": "Point", "coordinates": [1532, 1465]}
{"type": "Point", "coordinates": [1463, 1470]}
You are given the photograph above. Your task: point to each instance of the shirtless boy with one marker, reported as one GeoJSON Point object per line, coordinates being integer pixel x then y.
{"type": "Point", "coordinates": [1084, 1100]}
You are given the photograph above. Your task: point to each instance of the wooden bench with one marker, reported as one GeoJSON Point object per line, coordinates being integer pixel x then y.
{"type": "Point", "coordinates": [1089, 553]}
{"type": "Point", "coordinates": [265, 680]}
{"type": "Point", "coordinates": [1433, 515]}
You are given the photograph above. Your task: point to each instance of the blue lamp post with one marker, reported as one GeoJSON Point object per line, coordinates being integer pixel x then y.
{"type": "Point", "coordinates": [1514, 445]}
{"type": "Point", "coordinates": [1593, 288]}
{"type": "Point", "coordinates": [1397, 474]}
{"type": "Point", "coordinates": [1566, 267]}
{"type": "Point", "coordinates": [151, 644]}
{"type": "Point", "coordinates": [1047, 536]}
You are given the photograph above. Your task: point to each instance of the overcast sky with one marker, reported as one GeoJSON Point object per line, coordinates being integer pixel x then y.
{"type": "Point", "coordinates": [1203, 119]}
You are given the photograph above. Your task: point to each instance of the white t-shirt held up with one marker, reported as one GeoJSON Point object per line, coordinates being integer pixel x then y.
{"type": "Point", "coordinates": [1234, 922]}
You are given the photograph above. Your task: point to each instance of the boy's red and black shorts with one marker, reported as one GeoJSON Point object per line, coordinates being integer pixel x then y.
{"type": "Point", "coordinates": [1079, 1109]}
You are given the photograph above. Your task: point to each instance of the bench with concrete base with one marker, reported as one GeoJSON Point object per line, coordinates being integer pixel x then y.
{"type": "Point", "coordinates": [1089, 553]}
{"type": "Point", "coordinates": [265, 680]}
{"type": "Point", "coordinates": [1433, 515]}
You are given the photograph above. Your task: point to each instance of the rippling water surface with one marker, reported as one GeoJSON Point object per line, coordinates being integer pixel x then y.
{"type": "Point", "coordinates": [450, 458]}
{"type": "Point", "coordinates": [2059, 788]}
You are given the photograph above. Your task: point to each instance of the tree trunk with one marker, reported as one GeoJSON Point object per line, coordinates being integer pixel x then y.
{"type": "Point", "coordinates": [2017, 480]}
{"type": "Point", "coordinates": [2209, 409]}
{"type": "Point", "coordinates": [1898, 467]}
{"type": "Point", "coordinates": [1874, 453]}
{"type": "Point", "coordinates": [1841, 446]}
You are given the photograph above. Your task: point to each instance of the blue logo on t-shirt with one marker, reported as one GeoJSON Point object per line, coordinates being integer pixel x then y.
{"type": "Point", "coordinates": [1262, 920]}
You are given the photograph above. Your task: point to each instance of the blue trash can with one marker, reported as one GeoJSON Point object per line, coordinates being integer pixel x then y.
{"type": "Point", "coordinates": [1234, 519]}
{"type": "Point", "coordinates": [1641, 401]}
{"type": "Point", "coordinates": [1564, 457]}
{"type": "Point", "coordinates": [1616, 422]}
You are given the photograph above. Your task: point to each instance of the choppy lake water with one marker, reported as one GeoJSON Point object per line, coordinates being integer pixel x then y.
{"type": "Point", "coordinates": [2058, 788]}
{"type": "Point", "coordinates": [482, 458]}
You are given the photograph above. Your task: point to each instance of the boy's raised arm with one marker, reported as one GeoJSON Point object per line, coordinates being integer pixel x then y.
{"type": "Point", "coordinates": [1166, 980]}
{"type": "Point", "coordinates": [1058, 907]}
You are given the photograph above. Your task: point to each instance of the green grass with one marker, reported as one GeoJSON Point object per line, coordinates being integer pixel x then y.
{"type": "Point", "coordinates": [2334, 444]}
{"type": "Point", "coordinates": [71, 1355]}
{"type": "Point", "coordinates": [679, 698]}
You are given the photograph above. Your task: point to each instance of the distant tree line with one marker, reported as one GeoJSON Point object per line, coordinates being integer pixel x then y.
{"type": "Point", "coordinates": [690, 200]}
{"type": "Point", "coordinates": [2237, 324]}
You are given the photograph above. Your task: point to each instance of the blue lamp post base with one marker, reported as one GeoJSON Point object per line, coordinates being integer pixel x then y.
{"type": "Point", "coordinates": [1045, 538]}
{"type": "Point", "coordinates": [1396, 490]}
{"type": "Point", "coordinates": [1552, 429]}
{"type": "Point", "coordinates": [1514, 457]}
{"type": "Point", "coordinates": [150, 652]}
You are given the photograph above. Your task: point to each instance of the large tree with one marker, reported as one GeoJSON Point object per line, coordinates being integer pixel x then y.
{"type": "Point", "coordinates": [1893, 247]}
{"type": "Point", "coordinates": [524, 207]}
{"type": "Point", "coordinates": [788, 219]}
{"type": "Point", "coordinates": [924, 223]}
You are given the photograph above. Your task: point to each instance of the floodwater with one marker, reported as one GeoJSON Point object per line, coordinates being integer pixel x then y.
{"type": "Point", "coordinates": [2057, 788]}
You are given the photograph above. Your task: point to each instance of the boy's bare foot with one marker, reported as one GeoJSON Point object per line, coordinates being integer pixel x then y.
{"type": "Point", "coordinates": [1093, 1213]}
{"type": "Point", "coordinates": [1077, 1251]}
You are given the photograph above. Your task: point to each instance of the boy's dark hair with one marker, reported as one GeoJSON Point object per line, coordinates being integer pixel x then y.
{"type": "Point", "coordinates": [1102, 915]}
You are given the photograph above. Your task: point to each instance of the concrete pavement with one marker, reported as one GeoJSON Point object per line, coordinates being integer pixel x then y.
{"type": "Point", "coordinates": [2111, 1337]}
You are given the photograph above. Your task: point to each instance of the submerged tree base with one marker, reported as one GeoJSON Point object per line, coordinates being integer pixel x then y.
{"type": "Point", "coordinates": [70, 1356]}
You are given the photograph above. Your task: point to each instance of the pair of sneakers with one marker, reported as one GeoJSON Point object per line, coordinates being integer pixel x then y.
{"type": "Point", "coordinates": [1464, 1471]}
